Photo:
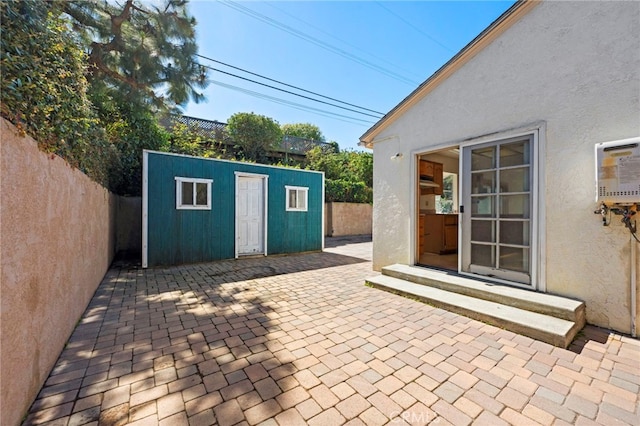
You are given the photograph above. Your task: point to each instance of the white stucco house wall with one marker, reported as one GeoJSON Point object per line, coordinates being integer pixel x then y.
{"type": "Point", "coordinates": [545, 83]}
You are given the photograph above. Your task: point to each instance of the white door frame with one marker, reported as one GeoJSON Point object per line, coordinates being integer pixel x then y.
{"type": "Point", "coordinates": [537, 243]}
{"type": "Point", "coordinates": [265, 204]}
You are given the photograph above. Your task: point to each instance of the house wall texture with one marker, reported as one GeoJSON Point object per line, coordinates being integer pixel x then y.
{"type": "Point", "coordinates": [572, 67]}
{"type": "Point", "coordinates": [347, 219]}
{"type": "Point", "coordinates": [57, 239]}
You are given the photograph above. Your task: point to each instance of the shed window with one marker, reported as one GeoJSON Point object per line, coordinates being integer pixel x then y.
{"type": "Point", "coordinates": [297, 198]}
{"type": "Point", "coordinates": [193, 194]}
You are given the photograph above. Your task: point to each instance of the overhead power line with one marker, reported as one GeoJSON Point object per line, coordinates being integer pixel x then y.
{"type": "Point", "coordinates": [341, 117]}
{"type": "Point", "coordinates": [287, 85]}
{"type": "Point", "coordinates": [327, 33]}
{"type": "Point", "coordinates": [289, 92]}
{"type": "Point", "coordinates": [247, 11]}
{"type": "Point", "coordinates": [413, 26]}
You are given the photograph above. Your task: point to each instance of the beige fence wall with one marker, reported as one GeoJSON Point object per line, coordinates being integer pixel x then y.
{"type": "Point", "coordinates": [347, 219]}
{"type": "Point", "coordinates": [57, 239]}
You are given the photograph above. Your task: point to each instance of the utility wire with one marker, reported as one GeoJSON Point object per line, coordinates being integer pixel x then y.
{"type": "Point", "coordinates": [317, 42]}
{"type": "Point", "coordinates": [413, 26]}
{"type": "Point", "coordinates": [289, 92]}
{"type": "Point", "coordinates": [340, 117]}
{"type": "Point", "coordinates": [309, 24]}
{"type": "Point", "coordinates": [285, 84]}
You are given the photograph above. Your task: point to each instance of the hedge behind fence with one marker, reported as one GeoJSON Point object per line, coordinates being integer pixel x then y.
{"type": "Point", "coordinates": [347, 191]}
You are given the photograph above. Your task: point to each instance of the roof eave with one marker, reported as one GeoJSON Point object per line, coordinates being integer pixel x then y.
{"type": "Point", "coordinates": [497, 27]}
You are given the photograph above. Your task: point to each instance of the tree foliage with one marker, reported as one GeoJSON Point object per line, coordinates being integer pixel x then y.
{"type": "Point", "coordinates": [345, 164]}
{"type": "Point", "coordinates": [347, 191]}
{"type": "Point", "coordinates": [254, 134]}
{"type": "Point", "coordinates": [303, 130]}
{"type": "Point", "coordinates": [186, 140]}
{"type": "Point", "coordinates": [130, 129]}
{"type": "Point", "coordinates": [100, 110]}
{"type": "Point", "coordinates": [143, 49]}
{"type": "Point", "coordinates": [360, 165]}
{"type": "Point", "coordinates": [348, 174]}
{"type": "Point", "coordinates": [87, 79]}
{"type": "Point", "coordinates": [44, 90]}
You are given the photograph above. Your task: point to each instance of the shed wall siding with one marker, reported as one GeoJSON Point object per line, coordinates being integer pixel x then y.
{"type": "Point", "coordinates": [575, 68]}
{"type": "Point", "coordinates": [190, 236]}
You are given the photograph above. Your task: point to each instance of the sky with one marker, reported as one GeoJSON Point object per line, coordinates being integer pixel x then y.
{"type": "Point", "coordinates": [367, 54]}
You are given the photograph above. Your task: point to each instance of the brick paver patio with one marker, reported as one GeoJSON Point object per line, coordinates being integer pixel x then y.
{"type": "Point", "coordinates": [300, 340]}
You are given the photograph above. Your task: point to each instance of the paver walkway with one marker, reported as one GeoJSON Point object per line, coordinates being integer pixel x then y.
{"type": "Point", "coordinates": [300, 340]}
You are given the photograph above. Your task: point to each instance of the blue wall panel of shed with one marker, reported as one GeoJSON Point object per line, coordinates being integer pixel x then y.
{"type": "Point", "coordinates": [189, 236]}
{"type": "Point", "coordinates": [293, 231]}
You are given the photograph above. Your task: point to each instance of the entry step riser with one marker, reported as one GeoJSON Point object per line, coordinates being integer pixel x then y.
{"type": "Point", "coordinates": [558, 307]}
{"type": "Point", "coordinates": [555, 331]}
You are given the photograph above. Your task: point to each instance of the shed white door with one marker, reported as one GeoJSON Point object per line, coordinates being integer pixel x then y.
{"type": "Point", "coordinates": [498, 184]}
{"type": "Point", "coordinates": [250, 214]}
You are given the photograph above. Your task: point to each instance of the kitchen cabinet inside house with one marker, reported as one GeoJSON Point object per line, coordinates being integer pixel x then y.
{"type": "Point", "coordinates": [437, 228]}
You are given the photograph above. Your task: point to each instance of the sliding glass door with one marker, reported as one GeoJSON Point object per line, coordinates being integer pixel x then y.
{"type": "Point", "coordinates": [498, 209]}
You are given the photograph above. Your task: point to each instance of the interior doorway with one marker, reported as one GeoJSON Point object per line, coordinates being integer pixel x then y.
{"type": "Point", "coordinates": [437, 212]}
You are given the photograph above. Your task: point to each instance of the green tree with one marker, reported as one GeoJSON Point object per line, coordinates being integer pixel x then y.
{"type": "Point", "coordinates": [43, 69]}
{"type": "Point", "coordinates": [141, 61]}
{"type": "Point", "coordinates": [346, 164]}
{"type": "Point", "coordinates": [98, 109]}
{"type": "Point", "coordinates": [348, 174]}
{"type": "Point", "coordinates": [347, 191]}
{"type": "Point", "coordinates": [131, 129]}
{"type": "Point", "coordinates": [44, 90]}
{"type": "Point", "coordinates": [144, 49]}
{"type": "Point", "coordinates": [333, 147]}
{"type": "Point", "coordinates": [185, 140]}
{"type": "Point", "coordinates": [359, 165]}
{"type": "Point", "coordinates": [323, 159]}
{"type": "Point", "coordinates": [254, 134]}
{"type": "Point", "coordinates": [303, 130]}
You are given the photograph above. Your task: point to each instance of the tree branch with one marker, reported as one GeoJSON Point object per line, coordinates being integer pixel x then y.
{"type": "Point", "coordinates": [96, 63]}
{"type": "Point", "coordinates": [118, 20]}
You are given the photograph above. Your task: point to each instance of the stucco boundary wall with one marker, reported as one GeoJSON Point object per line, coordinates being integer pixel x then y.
{"type": "Point", "coordinates": [347, 219]}
{"type": "Point", "coordinates": [57, 240]}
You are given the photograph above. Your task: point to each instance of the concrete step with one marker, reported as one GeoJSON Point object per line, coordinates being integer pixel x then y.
{"type": "Point", "coordinates": [556, 331]}
{"type": "Point", "coordinates": [543, 303]}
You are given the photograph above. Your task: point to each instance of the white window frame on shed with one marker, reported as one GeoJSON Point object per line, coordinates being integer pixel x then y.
{"type": "Point", "coordinates": [302, 193]}
{"type": "Point", "coordinates": [195, 181]}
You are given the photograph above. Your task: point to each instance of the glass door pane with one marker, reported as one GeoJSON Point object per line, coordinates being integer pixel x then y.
{"type": "Point", "coordinates": [499, 177]}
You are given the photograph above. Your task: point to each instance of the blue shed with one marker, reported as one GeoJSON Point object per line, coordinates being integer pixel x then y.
{"type": "Point", "coordinates": [201, 209]}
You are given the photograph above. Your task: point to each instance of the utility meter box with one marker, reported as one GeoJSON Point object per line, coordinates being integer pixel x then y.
{"type": "Point", "coordinates": [618, 171]}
